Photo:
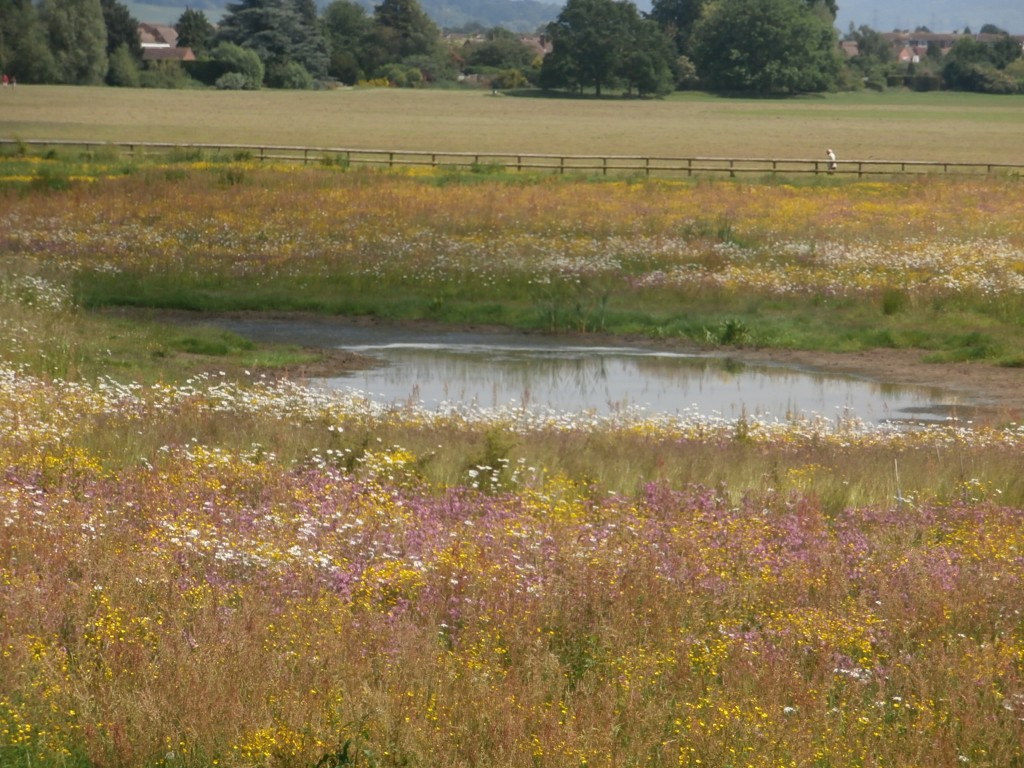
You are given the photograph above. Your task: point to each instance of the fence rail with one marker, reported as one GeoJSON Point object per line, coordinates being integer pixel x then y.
{"type": "Point", "coordinates": [628, 165]}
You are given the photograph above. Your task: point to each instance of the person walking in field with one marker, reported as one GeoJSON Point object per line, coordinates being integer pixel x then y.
{"type": "Point", "coordinates": [832, 164]}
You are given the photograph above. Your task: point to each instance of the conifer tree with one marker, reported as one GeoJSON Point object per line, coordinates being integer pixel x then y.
{"type": "Point", "coordinates": [281, 32]}
{"type": "Point", "coordinates": [195, 31]}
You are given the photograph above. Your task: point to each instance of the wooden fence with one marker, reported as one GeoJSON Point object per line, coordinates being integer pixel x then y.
{"type": "Point", "coordinates": [624, 165]}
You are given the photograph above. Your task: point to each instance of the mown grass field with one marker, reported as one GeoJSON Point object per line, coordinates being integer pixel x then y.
{"type": "Point", "coordinates": [889, 126]}
{"type": "Point", "coordinates": [204, 565]}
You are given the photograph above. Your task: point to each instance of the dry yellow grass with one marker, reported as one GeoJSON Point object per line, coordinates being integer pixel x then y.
{"type": "Point", "coordinates": [890, 126]}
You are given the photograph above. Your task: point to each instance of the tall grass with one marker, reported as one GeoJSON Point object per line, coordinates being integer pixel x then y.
{"type": "Point", "coordinates": [201, 566]}
{"type": "Point", "coordinates": [855, 266]}
{"type": "Point", "coordinates": [256, 575]}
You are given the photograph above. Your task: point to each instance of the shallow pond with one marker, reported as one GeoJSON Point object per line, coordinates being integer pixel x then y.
{"type": "Point", "coordinates": [433, 368]}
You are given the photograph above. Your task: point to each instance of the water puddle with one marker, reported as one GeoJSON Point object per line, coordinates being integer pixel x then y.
{"type": "Point", "coordinates": [435, 369]}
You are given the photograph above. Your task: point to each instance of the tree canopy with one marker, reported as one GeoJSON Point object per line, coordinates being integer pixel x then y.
{"type": "Point", "coordinates": [499, 49]}
{"type": "Point", "coordinates": [279, 31]}
{"type": "Point", "coordinates": [346, 27]}
{"type": "Point", "coordinates": [601, 43]}
{"type": "Point", "coordinates": [406, 45]}
{"type": "Point", "coordinates": [974, 66]}
{"type": "Point", "coordinates": [874, 53]}
{"type": "Point", "coordinates": [242, 67]}
{"type": "Point", "coordinates": [77, 36]}
{"type": "Point", "coordinates": [766, 47]}
{"type": "Point", "coordinates": [122, 28]}
{"type": "Point", "coordinates": [195, 31]}
{"type": "Point", "coordinates": [24, 49]}
{"type": "Point", "coordinates": [773, 47]}
{"type": "Point", "coordinates": [678, 18]}
{"type": "Point", "coordinates": [403, 29]}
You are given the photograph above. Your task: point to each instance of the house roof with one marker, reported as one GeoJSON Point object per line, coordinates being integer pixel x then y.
{"type": "Point", "coordinates": [944, 39]}
{"type": "Point", "coordinates": [168, 54]}
{"type": "Point", "coordinates": [157, 35]}
{"type": "Point", "coordinates": [907, 45]}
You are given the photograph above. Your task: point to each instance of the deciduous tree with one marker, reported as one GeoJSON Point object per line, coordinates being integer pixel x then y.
{"type": "Point", "coordinates": [766, 47]}
{"type": "Point", "coordinates": [404, 29]}
{"type": "Point", "coordinates": [124, 68]}
{"type": "Point", "coordinates": [874, 54]}
{"type": "Point", "coordinates": [830, 7]}
{"type": "Point", "coordinates": [24, 50]}
{"type": "Point", "coordinates": [124, 49]}
{"type": "Point", "coordinates": [602, 43]}
{"type": "Point", "coordinates": [242, 67]}
{"type": "Point", "coordinates": [77, 37]}
{"type": "Point", "coordinates": [403, 33]}
{"type": "Point", "coordinates": [971, 65]}
{"type": "Point", "coordinates": [500, 49]}
{"type": "Point", "coordinates": [346, 27]}
{"type": "Point", "coordinates": [585, 45]}
{"type": "Point", "coordinates": [678, 19]}
{"type": "Point", "coordinates": [646, 61]}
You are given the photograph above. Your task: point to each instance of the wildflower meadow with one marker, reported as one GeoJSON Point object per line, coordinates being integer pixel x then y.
{"type": "Point", "coordinates": [204, 563]}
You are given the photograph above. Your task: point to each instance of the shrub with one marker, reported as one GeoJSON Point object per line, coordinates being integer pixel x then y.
{"type": "Point", "coordinates": [687, 78]}
{"type": "Point", "coordinates": [123, 70]}
{"type": "Point", "coordinates": [998, 81]}
{"type": "Point", "coordinates": [978, 77]}
{"type": "Point", "coordinates": [232, 81]}
{"type": "Point", "coordinates": [290, 75]}
{"type": "Point", "coordinates": [402, 76]}
{"type": "Point", "coordinates": [509, 78]}
{"type": "Point", "coordinates": [926, 82]}
{"type": "Point", "coordinates": [165, 74]}
{"type": "Point", "coordinates": [243, 61]}
{"type": "Point", "coordinates": [1016, 71]}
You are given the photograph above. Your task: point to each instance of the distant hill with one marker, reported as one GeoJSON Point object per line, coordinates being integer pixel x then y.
{"type": "Point", "coordinates": [528, 15]}
{"type": "Point", "coordinates": [515, 15]}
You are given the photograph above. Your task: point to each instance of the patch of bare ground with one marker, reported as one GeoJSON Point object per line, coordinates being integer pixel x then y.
{"type": "Point", "coordinates": [327, 363]}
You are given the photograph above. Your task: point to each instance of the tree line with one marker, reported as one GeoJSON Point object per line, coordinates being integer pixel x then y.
{"type": "Point", "coordinates": [599, 46]}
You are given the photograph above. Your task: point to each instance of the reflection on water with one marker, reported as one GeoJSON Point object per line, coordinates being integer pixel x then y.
{"type": "Point", "coordinates": [608, 379]}
{"type": "Point", "coordinates": [492, 370]}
